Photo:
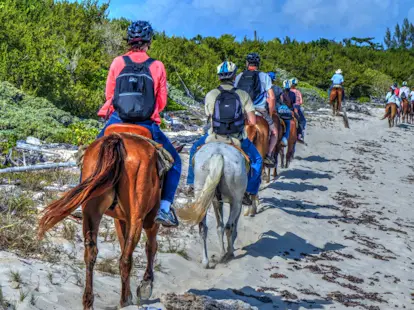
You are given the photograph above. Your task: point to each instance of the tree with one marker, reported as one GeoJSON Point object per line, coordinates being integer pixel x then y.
{"type": "Point", "coordinates": [388, 39]}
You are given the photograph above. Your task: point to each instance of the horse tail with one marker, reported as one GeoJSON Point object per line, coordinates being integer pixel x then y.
{"type": "Point", "coordinates": [197, 211]}
{"type": "Point", "coordinates": [387, 112]}
{"type": "Point", "coordinates": [108, 170]}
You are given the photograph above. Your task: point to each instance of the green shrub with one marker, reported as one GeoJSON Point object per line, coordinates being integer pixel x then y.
{"type": "Point", "coordinates": [364, 99]}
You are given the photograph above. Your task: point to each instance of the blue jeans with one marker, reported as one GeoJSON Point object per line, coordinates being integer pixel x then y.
{"type": "Point", "coordinates": [172, 177]}
{"type": "Point", "coordinates": [256, 161]}
{"type": "Point", "coordinates": [302, 119]}
{"type": "Point", "coordinates": [287, 132]}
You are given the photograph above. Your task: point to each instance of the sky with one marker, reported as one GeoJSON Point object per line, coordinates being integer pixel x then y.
{"type": "Point", "coordinates": [303, 20]}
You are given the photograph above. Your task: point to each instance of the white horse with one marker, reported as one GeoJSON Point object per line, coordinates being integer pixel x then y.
{"type": "Point", "coordinates": [220, 176]}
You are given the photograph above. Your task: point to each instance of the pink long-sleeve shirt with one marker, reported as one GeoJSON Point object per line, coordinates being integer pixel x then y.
{"type": "Point", "coordinates": [158, 74]}
{"type": "Point", "coordinates": [298, 95]}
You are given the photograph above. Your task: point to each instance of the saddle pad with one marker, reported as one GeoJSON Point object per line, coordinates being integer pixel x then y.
{"type": "Point", "coordinates": [129, 128]}
{"type": "Point", "coordinates": [237, 147]}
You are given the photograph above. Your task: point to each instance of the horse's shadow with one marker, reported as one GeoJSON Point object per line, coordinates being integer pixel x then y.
{"type": "Point", "coordinates": [300, 209]}
{"type": "Point", "coordinates": [318, 159]}
{"type": "Point", "coordinates": [288, 246]}
{"type": "Point", "coordinates": [296, 187]}
{"type": "Point", "coordinates": [304, 175]}
{"type": "Point", "coordinates": [261, 300]}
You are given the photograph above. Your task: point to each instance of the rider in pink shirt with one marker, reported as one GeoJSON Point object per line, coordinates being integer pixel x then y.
{"type": "Point", "coordinates": [157, 72]}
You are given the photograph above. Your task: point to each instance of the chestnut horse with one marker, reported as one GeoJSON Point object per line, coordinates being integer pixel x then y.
{"type": "Point", "coordinates": [391, 113]}
{"type": "Point", "coordinates": [406, 110]}
{"type": "Point", "coordinates": [335, 100]}
{"type": "Point", "coordinates": [411, 112]}
{"type": "Point", "coordinates": [293, 137]}
{"type": "Point", "coordinates": [119, 179]}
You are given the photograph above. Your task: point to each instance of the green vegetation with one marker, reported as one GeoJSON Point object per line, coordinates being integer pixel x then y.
{"type": "Point", "coordinates": [61, 51]}
{"type": "Point", "coordinates": [24, 115]}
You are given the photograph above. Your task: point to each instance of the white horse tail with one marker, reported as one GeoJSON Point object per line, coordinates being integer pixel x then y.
{"type": "Point", "coordinates": [196, 212]}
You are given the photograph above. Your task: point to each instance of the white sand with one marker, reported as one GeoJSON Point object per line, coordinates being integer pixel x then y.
{"type": "Point", "coordinates": [343, 208]}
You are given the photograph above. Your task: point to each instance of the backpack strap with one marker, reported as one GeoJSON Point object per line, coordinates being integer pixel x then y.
{"type": "Point", "coordinates": [149, 62]}
{"type": "Point", "coordinates": [128, 61]}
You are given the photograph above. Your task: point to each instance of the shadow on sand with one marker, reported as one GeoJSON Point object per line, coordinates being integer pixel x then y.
{"type": "Point", "coordinates": [263, 301]}
{"type": "Point", "coordinates": [304, 175]}
{"type": "Point", "coordinates": [288, 246]}
{"type": "Point", "coordinates": [318, 159]}
{"type": "Point", "coordinates": [296, 187]}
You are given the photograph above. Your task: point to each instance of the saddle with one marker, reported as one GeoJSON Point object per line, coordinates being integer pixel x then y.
{"type": "Point", "coordinates": [228, 140]}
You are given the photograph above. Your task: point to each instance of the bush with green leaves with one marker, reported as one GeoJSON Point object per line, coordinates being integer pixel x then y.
{"type": "Point", "coordinates": [24, 115]}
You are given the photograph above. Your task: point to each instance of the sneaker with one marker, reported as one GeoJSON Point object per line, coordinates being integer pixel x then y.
{"type": "Point", "coordinates": [269, 161]}
{"type": "Point", "coordinates": [246, 200]}
{"type": "Point", "coordinates": [167, 219]}
{"type": "Point", "coordinates": [301, 138]}
{"type": "Point", "coordinates": [284, 141]}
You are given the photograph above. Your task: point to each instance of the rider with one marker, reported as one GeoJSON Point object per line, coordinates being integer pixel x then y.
{"type": "Point", "coordinates": [392, 97]}
{"type": "Point", "coordinates": [277, 90]}
{"type": "Point", "coordinates": [226, 91]}
{"type": "Point", "coordinates": [396, 89]}
{"type": "Point", "coordinates": [404, 90]}
{"type": "Point", "coordinates": [138, 83]}
{"type": "Point", "coordinates": [299, 101]}
{"type": "Point", "coordinates": [338, 81]}
{"type": "Point", "coordinates": [412, 95]}
{"type": "Point", "coordinates": [259, 86]}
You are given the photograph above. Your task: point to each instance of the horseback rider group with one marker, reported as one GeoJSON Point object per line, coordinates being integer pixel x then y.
{"type": "Point", "coordinates": [136, 92]}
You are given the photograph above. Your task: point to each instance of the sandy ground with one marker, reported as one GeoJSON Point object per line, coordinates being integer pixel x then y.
{"type": "Point", "coordinates": [334, 231]}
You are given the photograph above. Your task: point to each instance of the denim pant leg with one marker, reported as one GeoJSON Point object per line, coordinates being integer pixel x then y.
{"type": "Point", "coordinates": [114, 119]}
{"type": "Point", "coordinates": [256, 161]}
{"type": "Point", "coordinates": [287, 132]}
{"type": "Point", "coordinates": [193, 150]}
{"type": "Point", "coordinates": [172, 177]}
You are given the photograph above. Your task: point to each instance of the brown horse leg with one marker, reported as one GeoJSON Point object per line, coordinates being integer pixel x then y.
{"type": "Point", "coordinates": [339, 96]}
{"type": "Point", "coordinates": [120, 228]}
{"type": "Point", "coordinates": [92, 215]}
{"type": "Point", "coordinates": [144, 290]}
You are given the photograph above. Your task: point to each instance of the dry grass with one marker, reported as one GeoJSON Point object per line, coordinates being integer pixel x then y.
{"type": "Point", "coordinates": [69, 231]}
{"type": "Point", "coordinates": [36, 181]}
{"type": "Point", "coordinates": [108, 265]}
{"type": "Point", "coordinates": [18, 227]}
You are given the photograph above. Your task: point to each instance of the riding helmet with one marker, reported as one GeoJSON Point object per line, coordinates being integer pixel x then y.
{"type": "Point", "coordinates": [272, 75]}
{"type": "Point", "coordinates": [139, 31]}
{"type": "Point", "coordinates": [226, 70]}
{"type": "Point", "coordinates": [253, 59]}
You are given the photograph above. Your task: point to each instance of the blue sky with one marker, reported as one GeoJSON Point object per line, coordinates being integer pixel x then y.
{"type": "Point", "coordinates": [303, 20]}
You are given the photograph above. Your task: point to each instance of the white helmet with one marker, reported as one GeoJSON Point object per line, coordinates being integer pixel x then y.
{"type": "Point", "coordinates": [294, 81]}
{"type": "Point", "coordinates": [226, 70]}
{"type": "Point", "coordinates": [286, 84]}
{"type": "Point", "coordinates": [339, 71]}
{"type": "Point", "coordinates": [404, 83]}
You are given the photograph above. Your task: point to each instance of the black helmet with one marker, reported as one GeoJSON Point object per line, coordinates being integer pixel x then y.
{"type": "Point", "coordinates": [253, 58]}
{"type": "Point", "coordinates": [139, 31]}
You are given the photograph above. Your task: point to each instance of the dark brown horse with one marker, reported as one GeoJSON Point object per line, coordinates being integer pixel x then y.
{"type": "Point", "coordinates": [119, 179]}
{"type": "Point", "coordinates": [293, 137]}
{"type": "Point", "coordinates": [391, 113]}
{"type": "Point", "coordinates": [412, 112]}
{"type": "Point", "coordinates": [335, 100]}
{"type": "Point", "coordinates": [406, 110]}
{"type": "Point", "coordinates": [279, 149]}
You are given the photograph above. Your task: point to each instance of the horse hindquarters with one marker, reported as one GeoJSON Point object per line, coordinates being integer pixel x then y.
{"type": "Point", "coordinates": [291, 143]}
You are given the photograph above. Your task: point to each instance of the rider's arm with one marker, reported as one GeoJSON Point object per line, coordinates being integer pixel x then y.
{"type": "Point", "coordinates": [114, 70]}
{"type": "Point", "coordinates": [271, 100]}
{"type": "Point", "coordinates": [251, 117]}
{"type": "Point", "coordinates": [158, 71]}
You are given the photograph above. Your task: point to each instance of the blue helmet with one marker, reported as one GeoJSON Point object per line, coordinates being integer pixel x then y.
{"type": "Point", "coordinates": [286, 84]}
{"type": "Point", "coordinates": [139, 31]}
{"type": "Point", "coordinates": [272, 75]}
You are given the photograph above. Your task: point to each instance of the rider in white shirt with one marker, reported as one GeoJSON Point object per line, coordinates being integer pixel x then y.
{"type": "Point", "coordinates": [404, 90]}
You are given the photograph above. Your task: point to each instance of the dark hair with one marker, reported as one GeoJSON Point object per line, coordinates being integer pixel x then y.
{"type": "Point", "coordinates": [139, 46]}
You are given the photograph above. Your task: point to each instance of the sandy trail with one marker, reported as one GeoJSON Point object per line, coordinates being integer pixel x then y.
{"type": "Point", "coordinates": [335, 230]}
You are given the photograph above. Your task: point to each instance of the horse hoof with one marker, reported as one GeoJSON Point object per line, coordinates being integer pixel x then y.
{"type": "Point", "coordinates": [247, 212]}
{"type": "Point", "coordinates": [144, 290]}
{"type": "Point", "coordinates": [226, 258]}
{"type": "Point", "coordinates": [205, 264]}
{"type": "Point", "coordinates": [127, 303]}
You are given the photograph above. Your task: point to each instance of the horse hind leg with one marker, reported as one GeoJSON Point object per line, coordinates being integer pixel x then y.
{"type": "Point", "coordinates": [92, 216]}
{"type": "Point", "coordinates": [203, 230]}
{"type": "Point", "coordinates": [144, 290]}
{"type": "Point", "coordinates": [231, 228]}
{"type": "Point", "coordinates": [218, 210]}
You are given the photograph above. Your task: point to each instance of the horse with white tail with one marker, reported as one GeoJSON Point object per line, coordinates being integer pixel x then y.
{"type": "Point", "coordinates": [220, 176]}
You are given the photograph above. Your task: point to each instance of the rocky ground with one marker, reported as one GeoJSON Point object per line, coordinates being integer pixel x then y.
{"type": "Point", "coordinates": [334, 231]}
